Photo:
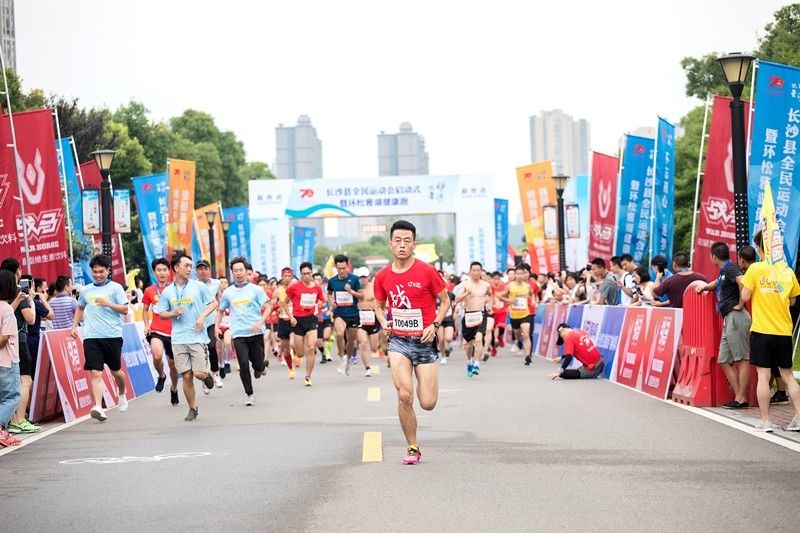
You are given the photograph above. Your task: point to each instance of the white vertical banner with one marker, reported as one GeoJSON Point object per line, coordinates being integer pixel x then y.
{"type": "Point", "coordinates": [475, 236]}
{"type": "Point", "coordinates": [269, 245]}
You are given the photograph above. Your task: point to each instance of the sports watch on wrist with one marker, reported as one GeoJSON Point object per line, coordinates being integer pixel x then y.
{"type": "Point", "coordinates": [437, 325]}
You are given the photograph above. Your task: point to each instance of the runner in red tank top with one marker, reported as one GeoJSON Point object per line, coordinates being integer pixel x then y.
{"type": "Point", "coordinates": [408, 288]}
{"type": "Point", "coordinates": [158, 332]}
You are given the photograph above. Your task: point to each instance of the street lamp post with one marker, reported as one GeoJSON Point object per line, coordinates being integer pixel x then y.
{"type": "Point", "coordinates": [226, 225]}
{"type": "Point", "coordinates": [210, 217]}
{"type": "Point", "coordinates": [103, 158]}
{"type": "Point", "coordinates": [736, 66]}
{"type": "Point", "coordinates": [560, 183]}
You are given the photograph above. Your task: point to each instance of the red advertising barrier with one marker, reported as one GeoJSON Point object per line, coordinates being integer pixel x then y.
{"type": "Point", "coordinates": [659, 360]}
{"type": "Point", "coordinates": [547, 329]}
{"type": "Point", "coordinates": [634, 343]}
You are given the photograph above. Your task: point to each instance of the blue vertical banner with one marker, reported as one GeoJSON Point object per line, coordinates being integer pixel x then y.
{"type": "Point", "coordinates": [303, 243]}
{"type": "Point", "coordinates": [607, 341]}
{"type": "Point", "coordinates": [501, 232]}
{"type": "Point", "coordinates": [81, 272]}
{"type": "Point", "coordinates": [238, 231]}
{"type": "Point", "coordinates": [635, 193]}
{"type": "Point", "coordinates": [773, 158]}
{"type": "Point", "coordinates": [152, 207]}
{"type": "Point", "coordinates": [664, 203]}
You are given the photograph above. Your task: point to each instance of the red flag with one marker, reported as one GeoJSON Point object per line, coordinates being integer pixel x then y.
{"type": "Point", "coordinates": [603, 207]}
{"type": "Point", "coordinates": [717, 221]}
{"type": "Point", "coordinates": [92, 178]}
{"type": "Point", "coordinates": [35, 167]}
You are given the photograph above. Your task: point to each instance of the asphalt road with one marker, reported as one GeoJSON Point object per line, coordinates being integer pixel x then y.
{"type": "Point", "coordinates": [506, 451]}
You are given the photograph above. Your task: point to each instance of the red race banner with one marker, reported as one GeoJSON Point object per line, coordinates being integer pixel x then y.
{"type": "Point", "coordinates": [716, 221]}
{"type": "Point", "coordinates": [634, 341]}
{"type": "Point", "coordinates": [603, 207]}
{"type": "Point", "coordinates": [665, 331]}
{"type": "Point", "coordinates": [91, 177]}
{"type": "Point", "coordinates": [45, 403]}
{"type": "Point", "coordinates": [34, 166]}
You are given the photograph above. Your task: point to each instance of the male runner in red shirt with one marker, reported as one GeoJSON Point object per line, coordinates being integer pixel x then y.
{"type": "Point", "coordinates": [158, 332]}
{"type": "Point", "coordinates": [303, 316]}
{"type": "Point", "coordinates": [411, 288]}
{"type": "Point", "coordinates": [578, 344]}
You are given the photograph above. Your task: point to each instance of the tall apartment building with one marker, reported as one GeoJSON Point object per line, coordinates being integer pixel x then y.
{"type": "Point", "coordinates": [402, 153]}
{"type": "Point", "coordinates": [9, 39]}
{"type": "Point", "coordinates": [299, 151]}
{"type": "Point", "coordinates": [557, 137]}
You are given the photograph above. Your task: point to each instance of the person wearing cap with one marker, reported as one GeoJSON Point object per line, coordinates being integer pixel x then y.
{"type": "Point", "coordinates": [203, 269]}
{"type": "Point", "coordinates": [578, 345]}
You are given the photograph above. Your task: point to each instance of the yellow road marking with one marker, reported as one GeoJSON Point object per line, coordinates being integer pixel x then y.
{"type": "Point", "coordinates": [376, 355]}
{"type": "Point", "coordinates": [375, 370]}
{"type": "Point", "coordinates": [374, 394]}
{"type": "Point", "coordinates": [373, 447]}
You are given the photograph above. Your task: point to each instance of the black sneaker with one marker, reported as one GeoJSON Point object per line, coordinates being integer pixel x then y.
{"type": "Point", "coordinates": [528, 360]}
{"type": "Point", "coordinates": [174, 397]}
{"type": "Point", "coordinates": [733, 404]}
{"type": "Point", "coordinates": [222, 372]}
{"type": "Point", "coordinates": [209, 381]}
{"type": "Point", "coordinates": [192, 416]}
{"type": "Point", "coordinates": [160, 383]}
{"type": "Point", "coordinates": [779, 398]}
{"type": "Point", "coordinates": [228, 368]}
{"type": "Point", "coordinates": [323, 360]}
{"type": "Point", "coordinates": [257, 374]}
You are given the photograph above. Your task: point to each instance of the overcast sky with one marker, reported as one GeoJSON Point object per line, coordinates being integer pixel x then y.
{"type": "Point", "coordinates": [466, 74]}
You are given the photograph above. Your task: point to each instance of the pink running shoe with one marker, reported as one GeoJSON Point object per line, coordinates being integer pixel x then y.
{"type": "Point", "coordinates": [413, 455]}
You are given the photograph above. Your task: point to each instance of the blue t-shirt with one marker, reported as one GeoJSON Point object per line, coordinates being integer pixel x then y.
{"type": "Point", "coordinates": [245, 303]}
{"type": "Point", "coordinates": [346, 303]}
{"type": "Point", "coordinates": [213, 287]}
{"type": "Point", "coordinates": [194, 297]}
{"type": "Point", "coordinates": [100, 322]}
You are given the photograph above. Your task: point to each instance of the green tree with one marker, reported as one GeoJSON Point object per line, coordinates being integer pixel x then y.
{"type": "Point", "coordinates": [781, 43]}
{"type": "Point", "coordinates": [85, 126]}
{"type": "Point", "coordinates": [20, 100]}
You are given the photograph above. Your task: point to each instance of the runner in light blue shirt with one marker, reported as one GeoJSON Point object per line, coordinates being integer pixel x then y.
{"type": "Point", "coordinates": [101, 321]}
{"type": "Point", "coordinates": [188, 301]}
{"type": "Point", "coordinates": [246, 303]}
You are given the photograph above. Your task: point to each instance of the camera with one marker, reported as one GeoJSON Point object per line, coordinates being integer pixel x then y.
{"type": "Point", "coordinates": [25, 285]}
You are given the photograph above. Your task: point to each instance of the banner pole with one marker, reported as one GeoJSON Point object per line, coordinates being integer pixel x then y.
{"type": "Point", "coordinates": [697, 181]}
{"type": "Point", "coordinates": [618, 200]}
{"type": "Point", "coordinates": [63, 167]}
{"type": "Point", "coordinates": [16, 160]}
{"type": "Point", "coordinates": [653, 191]}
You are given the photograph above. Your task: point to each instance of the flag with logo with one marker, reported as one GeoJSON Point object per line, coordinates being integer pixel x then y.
{"type": "Point", "coordinates": [201, 228]}
{"type": "Point", "coordinates": [501, 232]}
{"type": "Point", "coordinates": [91, 177]}
{"type": "Point", "coordinates": [536, 190]}
{"type": "Point", "coordinates": [181, 204]}
{"type": "Point", "coordinates": [773, 158]}
{"type": "Point", "coordinates": [81, 272]}
{"type": "Point", "coordinates": [603, 207]}
{"type": "Point", "coordinates": [716, 221]}
{"type": "Point", "coordinates": [151, 204]}
{"type": "Point", "coordinates": [303, 242]}
{"type": "Point", "coordinates": [30, 181]}
{"type": "Point", "coordinates": [664, 199]}
{"type": "Point", "coordinates": [774, 252]}
{"type": "Point", "coordinates": [635, 193]}
{"type": "Point", "coordinates": [238, 230]}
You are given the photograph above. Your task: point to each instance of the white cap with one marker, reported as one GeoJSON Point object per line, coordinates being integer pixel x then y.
{"type": "Point", "coordinates": [362, 272]}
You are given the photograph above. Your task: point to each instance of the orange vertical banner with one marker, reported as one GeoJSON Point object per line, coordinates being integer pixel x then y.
{"type": "Point", "coordinates": [181, 205]}
{"type": "Point", "coordinates": [536, 190]}
{"type": "Point", "coordinates": [201, 227]}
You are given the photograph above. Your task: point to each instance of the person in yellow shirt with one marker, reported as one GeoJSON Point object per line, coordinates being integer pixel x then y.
{"type": "Point", "coordinates": [771, 332]}
{"type": "Point", "coordinates": [519, 295]}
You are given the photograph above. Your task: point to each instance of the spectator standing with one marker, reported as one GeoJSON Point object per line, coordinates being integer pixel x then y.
{"type": "Point", "coordinates": [643, 287]}
{"type": "Point", "coordinates": [627, 266]}
{"type": "Point", "coordinates": [734, 346]}
{"type": "Point", "coordinates": [41, 311]}
{"type": "Point", "coordinates": [771, 332]}
{"type": "Point", "coordinates": [9, 355]}
{"type": "Point", "coordinates": [62, 303]}
{"type": "Point", "coordinates": [607, 293]}
{"type": "Point", "coordinates": [674, 286]}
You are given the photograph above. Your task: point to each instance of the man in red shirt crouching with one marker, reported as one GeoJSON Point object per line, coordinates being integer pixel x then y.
{"type": "Point", "coordinates": [578, 344]}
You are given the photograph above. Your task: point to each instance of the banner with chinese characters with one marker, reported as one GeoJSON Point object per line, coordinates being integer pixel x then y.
{"type": "Point", "coordinates": [536, 190]}
{"type": "Point", "coordinates": [303, 241]}
{"type": "Point", "coordinates": [664, 203]}
{"type": "Point", "coordinates": [91, 179]}
{"type": "Point", "coordinates": [181, 204]}
{"type": "Point", "coordinates": [501, 232]}
{"type": "Point", "coordinates": [151, 204]}
{"type": "Point", "coordinates": [773, 158]}
{"type": "Point", "coordinates": [635, 190]}
{"type": "Point", "coordinates": [90, 211]}
{"type": "Point", "coordinates": [29, 176]}
{"type": "Point", "coordinates": [577, 206]}
{"type": "Point", "coordinates": [81, 273]}
{"type": "Point", "coordinates": [603, 207]}
{"type": "Point", "coordinates": [122, 211]}
{"type": "Point", "coordinates": [238, 231]}
{"type": "Point", "coordinates": [716, 218]}
{"type": "Point", "coordinates": [467, 197]}
{"type": "Point", "coordinates": [201, 228]}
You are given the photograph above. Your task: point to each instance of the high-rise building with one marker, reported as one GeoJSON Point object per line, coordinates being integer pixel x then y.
{"type": "Point", "coordinates": [402, 153]}
{"type": "Point", "coordinates": [557, 137]}
{"type": "Point", "coordinates": [9, 38]}
{"type": "Point", "coordinates": [299, 151]}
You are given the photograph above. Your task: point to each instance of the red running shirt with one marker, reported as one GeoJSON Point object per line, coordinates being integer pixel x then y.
{"type": "Point", "coordinates": [304, 299]}
{"type": "Point", "coordinates": [411, 296]}
{"type": "Point", "coordinates": [150, 298]}
{"type": "Point", "coordinates": [580, 345]}
{"type": "Point", "coordinates": [535, 290]}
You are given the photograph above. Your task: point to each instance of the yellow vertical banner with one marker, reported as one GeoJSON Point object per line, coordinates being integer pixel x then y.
{"type": "Point", "coordinates": [201, 228]}
{"type": "Point", "coordinates": [772, 241]}
{"type": "Point", "coordinates": [181, 205]}
{"type": "Point", "coordinates": [536, 190]}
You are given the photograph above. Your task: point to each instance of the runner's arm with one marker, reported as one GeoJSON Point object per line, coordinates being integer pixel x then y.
{"type": "Point", "coordinates": [77, 320]}
{"type": "Point", "coordinates": [444, 303]}
{"type": "Point", "coordinates": [380, 314]}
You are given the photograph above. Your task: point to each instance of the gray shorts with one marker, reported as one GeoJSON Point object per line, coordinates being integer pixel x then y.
{"type": "Point", "coordinates": [414, 350]}
{"type": "Point", "coordinates": [735, 343]}
{"type": "Point", "coordinates": [191, 357]}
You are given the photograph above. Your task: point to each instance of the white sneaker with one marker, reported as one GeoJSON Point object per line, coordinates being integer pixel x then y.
{"type": "Point", "coordinates": [765, 426]}
{"type": "Point", "coordinates": [123, 404]}
{"type": "Point", "coordinates": [341, 368]}
{"type": "Point", "coordinates": [98, 414]}
{"type": "Point", "coordinates": [514, 348]}
{"type": "Point", "coordinates": [250, 400]}
{"type": "Point", "coordinates": [206, 390]}
{"type": "Point", "coordinates": [368, 374]}
{"type": "Point", "coordinates": [347, 366]}
{"type": "Point", "coordinates": [283, 362]}
{"type": "Point", "coordinates": [218, 382]}
{"type": "Point", "coordinates": [794, 425]}
{"type": "Point", "coordinates": [443, 360]}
